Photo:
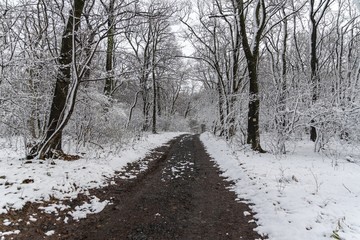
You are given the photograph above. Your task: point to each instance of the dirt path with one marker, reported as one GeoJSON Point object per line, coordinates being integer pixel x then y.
{"type": "Point", "coordinates": [179, 196]}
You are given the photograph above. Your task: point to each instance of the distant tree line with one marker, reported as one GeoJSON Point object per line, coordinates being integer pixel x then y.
{"type": "Point", "coordinates": [100, 70]}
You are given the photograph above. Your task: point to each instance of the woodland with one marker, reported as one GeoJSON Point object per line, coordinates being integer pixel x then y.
{"type": "Point", "coordinates": [100, 72]}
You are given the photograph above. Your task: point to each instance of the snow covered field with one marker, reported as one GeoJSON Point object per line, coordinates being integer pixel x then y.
{"type": "Point", "coordinates": [40, 180]}
{"type": "Point", "coordinates": [303, 195]}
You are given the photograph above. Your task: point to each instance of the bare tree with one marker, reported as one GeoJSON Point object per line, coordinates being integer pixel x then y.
{"type": "Point", "coordinates": [52, 140]}
{"type": "Point", "coordinates": [252, 53]}
{"type": "Point", "coordinates": [316, 14]}
{"type": "Point", "coordinates": [109, 82]}
{"type": "Point", "coordinates": [147, 37]}
{"type": "Point", "coordinates": [217, 42]}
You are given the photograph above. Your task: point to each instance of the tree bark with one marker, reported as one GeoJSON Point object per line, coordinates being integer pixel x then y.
{"type": "Point", "coordinates": [154, 115]}
{"type": "Point", "coordinates": [252, 55]}
{"type": "Point", "coordinates": [153, 74]}
{"type": "Point", "coordinates": [313, 66]}
{"type": "Point", "coordinates": [314, 62]}
{"type": "Point", "coordinates": [62, 80]}
{"type": "Point", "coordinates": [109, 82]}
{"type": "Point", "coordinates": [221, 108]}
{"type": "Point", "coordinates": [132, 108]}
{"type": "Point", "coordinates": [153, 129]}
{"type": "Point", "coordinates": [159, 108]}
{"type": "Point", "coordinates": [254, 107]}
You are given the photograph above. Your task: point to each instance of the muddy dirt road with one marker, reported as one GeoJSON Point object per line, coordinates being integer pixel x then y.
{"type": "Point", "coordinates": [179, 196]}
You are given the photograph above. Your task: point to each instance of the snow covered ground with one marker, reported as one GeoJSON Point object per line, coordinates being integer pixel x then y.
{"type": "Point", "coordinates": [304, 195]}
{"type": "Point", "coordinates": [40, 180]}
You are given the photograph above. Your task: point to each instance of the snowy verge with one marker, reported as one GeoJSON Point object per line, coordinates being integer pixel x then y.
{"type": "Point", "coordinates": [300, 196]}
{"type": "Point", "coordinates": [40, 180]}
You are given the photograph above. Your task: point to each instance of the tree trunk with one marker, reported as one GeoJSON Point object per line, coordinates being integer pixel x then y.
{"type": "Point", "coordinates": [62, 80]}
{"type": "Point", "coordinates": [323, 5]}
{"type": "Point", "coordinates": [132, 109]}
{"type": "Point", "coordinates": [251, 55]}
{"type": "Point", "coordinates": [154, 85]}
{"type": "Point", "coordinates": [109, 82]}
{"type": "Point", "coordinates": [221, 108]}
{"type": "Point", "coordinates": [146, 106]}
{"type": "Point", "coordinates": [314, 69]}
{"type": "Point", "coordinates": [254, 108]}
{"type": "Point", "coordinates": [159, 108]}
{"type": "Point", "coordinates": [153, 129]}
{"type": "Point", "coordinates": [283, 90]}
{"type": "Point", "coordinates": [187, 110]}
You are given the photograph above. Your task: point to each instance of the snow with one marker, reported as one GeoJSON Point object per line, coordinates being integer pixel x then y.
{"type": "Point", "coordinates": [54, 208]}
{"type": "Point", "coordinates": [42, 180]}
{"type": "Point", "coordinates": [95, 206]}
{"type": "Point", "coordinates": [304, 195]}
{"type": "Point", "coordinates": [3, 234]}
{"type": "Point", "coordinates": [246, 213]}
{"type": "Point", "coordinates": [32, 219]}
{"type": "Point", "coordinates": [49, 233]}
{"type": "Point", "coordinates": [6, 222]}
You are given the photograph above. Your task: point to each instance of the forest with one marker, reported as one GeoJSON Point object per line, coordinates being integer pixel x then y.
{"type": "Point", "coordinates": [99, 72]}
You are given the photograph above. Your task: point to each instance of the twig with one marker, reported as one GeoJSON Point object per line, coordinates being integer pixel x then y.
{"type": "Point", "coordinates": [346, 188]}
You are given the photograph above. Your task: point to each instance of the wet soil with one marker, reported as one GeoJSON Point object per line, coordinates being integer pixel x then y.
{"type": "Point", "coordinates": [180, 196]}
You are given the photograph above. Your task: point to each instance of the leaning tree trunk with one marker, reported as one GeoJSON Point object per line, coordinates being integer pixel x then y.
{"type": "Point", "coordinates": [62, 83]}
